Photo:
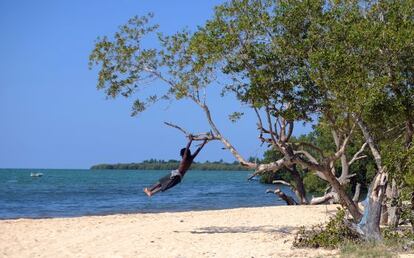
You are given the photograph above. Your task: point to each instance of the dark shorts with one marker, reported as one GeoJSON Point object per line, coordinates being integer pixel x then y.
{"type": "Point", "coordinates": [167, 182]}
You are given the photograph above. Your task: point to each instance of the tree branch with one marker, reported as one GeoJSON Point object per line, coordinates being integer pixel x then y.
{"type": "Point", "coordinates": [307, 155]}
{"type": "Point", "coordinates": [371, 143]}
{"type": "Point", "coordinates": [342, 149]}
{"type": "Point", "coordinates": [309, 145]}
{"type": "Point", "coordinates": [290, 130]}
{"type": "Point", "coordinates": [357, 193]}
{"type": "Point", "coordinates": [282, 182]}
{"type": "Point", "coordinates": [273, 166]}
{"type": "Point", "coordinates": [196, 137]}
{"type": "Point", "coordinates": [322, 199]}
{"type": "Point", "coordinates": [217, 134]}
{"type": "Point", "coordinates": [269, 121]}
{"type": "Point", "coordinates": [260, 127]}
{"type": "Point", "coordinates": [289, 200]}
{"type": "Point", "coordinates": [356, 155]}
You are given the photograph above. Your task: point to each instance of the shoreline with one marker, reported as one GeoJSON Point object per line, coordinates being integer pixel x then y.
{"type": "Point", "coordinates": [238, 232]}
{"type": "Point", "coordinates": [134, 213]}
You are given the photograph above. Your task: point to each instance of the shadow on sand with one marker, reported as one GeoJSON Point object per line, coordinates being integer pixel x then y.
{"type": "Point", "coordinates": [266, 229]}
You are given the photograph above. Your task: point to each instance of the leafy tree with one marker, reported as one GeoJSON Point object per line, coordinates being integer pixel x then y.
{"type": "Point", "coordinates": [290, 61]}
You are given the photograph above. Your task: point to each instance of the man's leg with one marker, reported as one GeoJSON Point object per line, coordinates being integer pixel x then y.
{"type": "Point", "coordinates": [171, 183]}
{"type": "Point", "coordinates": [157, 187]}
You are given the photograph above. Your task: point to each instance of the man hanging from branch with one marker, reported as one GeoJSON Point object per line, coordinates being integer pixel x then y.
{"type": "Point", "coordinates": [176, 176]}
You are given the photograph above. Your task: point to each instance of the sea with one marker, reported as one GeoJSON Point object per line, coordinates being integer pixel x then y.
{"type": "Point", "coordinates": [72, 193]}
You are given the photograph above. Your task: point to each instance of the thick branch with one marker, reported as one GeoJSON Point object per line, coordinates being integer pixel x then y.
{"type": "Point", "coordinates": [282, 134]}
{"type": "Point", "coordinates": [307, 155]}
{"type": "Point", "coordinates": [336, 138]}
{"type": "Point", "coordinates": [273, 166]}
{"type": "Point", "coordinates": [290, 130]}
{"type": "Point", "coordinates": [289, 200]}
{"type": "Point", "coordinates": [311, 164]}
{"type": "Point", "coordinates": [217, 134]}
{"type": "Point", "coordinates": [371, 143]}
{"type": "Point", "coordinates": [322, 199]}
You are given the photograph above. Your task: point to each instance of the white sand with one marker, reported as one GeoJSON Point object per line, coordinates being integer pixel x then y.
{"type": "Point", "coordinates": [247, 232]}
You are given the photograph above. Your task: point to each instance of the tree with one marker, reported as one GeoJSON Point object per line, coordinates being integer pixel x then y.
{"type": "Point", "coordinates": [290, 61]}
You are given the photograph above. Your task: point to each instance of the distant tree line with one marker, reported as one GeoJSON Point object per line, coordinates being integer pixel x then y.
{"type": "Point", "coordinates": [154, 164]}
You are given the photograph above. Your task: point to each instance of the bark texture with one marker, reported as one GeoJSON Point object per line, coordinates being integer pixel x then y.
{"type": "Point", "coordinates": [370, 222]}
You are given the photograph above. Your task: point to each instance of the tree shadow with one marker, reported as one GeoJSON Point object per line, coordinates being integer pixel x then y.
{"type": "Point", "coordinates": [265, 229]}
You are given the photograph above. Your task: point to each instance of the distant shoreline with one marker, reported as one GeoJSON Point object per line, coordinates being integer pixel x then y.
{"type": "Point", "coordinates": [154, 164]}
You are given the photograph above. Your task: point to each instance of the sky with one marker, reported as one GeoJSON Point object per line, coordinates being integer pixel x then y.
{"type": "Point", "coordinates": [52, 115]}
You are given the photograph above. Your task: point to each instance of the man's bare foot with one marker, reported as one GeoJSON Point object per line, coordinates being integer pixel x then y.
{"type": "Point", "coordinates": [148, 192]}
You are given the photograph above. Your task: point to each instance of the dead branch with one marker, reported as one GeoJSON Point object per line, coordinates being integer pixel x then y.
{"type": "Point", "coordinates": [282, 182]}
{"type": "Point", "coordinates": [322, 199]}
{"type": "Point", "coordinates": [289, 200]}
{"type": "Point", "coordinates": [357, 193]}
{"type": "Point", "coordinates": [195, 137]}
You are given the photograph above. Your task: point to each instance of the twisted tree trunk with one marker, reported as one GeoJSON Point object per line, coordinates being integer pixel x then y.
{"type": "Point", "coordinates": [299, 186]}
{"type": "Point", "coordinates": [370, 222]}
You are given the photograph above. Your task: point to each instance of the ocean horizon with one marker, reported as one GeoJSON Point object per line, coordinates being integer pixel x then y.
{"type": "Point", "coordinates": [84, 192]}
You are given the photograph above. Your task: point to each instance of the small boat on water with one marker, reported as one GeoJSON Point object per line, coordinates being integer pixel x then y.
{"type": "Point", "coordinates": [36, 174]}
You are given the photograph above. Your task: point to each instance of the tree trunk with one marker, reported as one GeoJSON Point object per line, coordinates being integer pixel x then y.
{"type": "Point", "coordinates": [412, 211]}
{"type": "Point", "coordinates": [393, 206]}
{"type": "Point", "coordinates": [409, 133]}
{"type": "Point", "coordinates": [384, 213]}
{"type": "Point", "coordinates": [369, 224]}
{"type": "Point", "coordinates": [300, 188]}
{"type": "Point", "coordinates": [337, 188]}
{"type": "Point", "coordinates": [385, 205]}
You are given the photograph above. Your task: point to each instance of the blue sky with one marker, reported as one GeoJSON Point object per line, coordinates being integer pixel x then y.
{"type": "Point", "coordinates": [51, 114]}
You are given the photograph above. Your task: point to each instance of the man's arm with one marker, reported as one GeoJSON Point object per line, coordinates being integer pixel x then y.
{"type": "Point", "coordinates": [188, 146]}
{"type": "Point", "coordinates": [199, 149]}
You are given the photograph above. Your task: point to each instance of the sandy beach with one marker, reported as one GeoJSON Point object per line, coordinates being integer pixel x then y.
{"type": "Point", "coordinates": [246, 232]}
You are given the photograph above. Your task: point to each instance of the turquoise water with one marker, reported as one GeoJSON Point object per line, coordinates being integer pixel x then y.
{"type": "Point", "coordinates": [68, 193]}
